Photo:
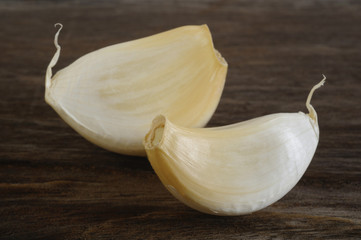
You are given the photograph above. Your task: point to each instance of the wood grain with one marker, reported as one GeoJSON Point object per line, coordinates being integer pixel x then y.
{"type": "Point", "coordinates": [56, 185]}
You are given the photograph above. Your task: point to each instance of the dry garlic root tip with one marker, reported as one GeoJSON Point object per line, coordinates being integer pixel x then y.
{"type": "Point", "coordinates": [235, 169]}
{"type": "Point", "coordinates": [111, 95]}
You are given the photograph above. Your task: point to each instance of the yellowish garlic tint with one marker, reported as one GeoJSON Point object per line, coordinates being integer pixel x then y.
{"type": "Point", "coordinates": [111, 95]}
{"type": "Point", "coordinates": [235, 169]}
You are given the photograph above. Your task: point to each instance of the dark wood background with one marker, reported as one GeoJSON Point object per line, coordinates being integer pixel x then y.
{"type": "Point", "coordinates": [56, 185]}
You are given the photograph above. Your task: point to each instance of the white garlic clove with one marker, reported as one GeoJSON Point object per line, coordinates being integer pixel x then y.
{"type": "Point", "coordinates": [235, 169]}
{"type": "Point", "coordinates": [111, 95]}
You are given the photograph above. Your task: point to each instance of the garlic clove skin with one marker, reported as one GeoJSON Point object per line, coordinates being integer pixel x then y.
{"type": "Point", "coordinates": [111, 95]}
{"type": "Point", "coordinates": [235, 169]}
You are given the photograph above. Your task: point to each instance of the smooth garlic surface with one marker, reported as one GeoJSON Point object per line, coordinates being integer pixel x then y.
{"type": "Point", "coordinates": [111, 95]}
{"type": "Point", "coordinates": [235, 169]}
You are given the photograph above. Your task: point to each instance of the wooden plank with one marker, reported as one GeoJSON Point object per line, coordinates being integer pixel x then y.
{"type": "Point", "coordinates": [56, 185]}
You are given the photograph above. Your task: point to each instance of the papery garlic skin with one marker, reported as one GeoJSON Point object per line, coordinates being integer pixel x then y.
{"type": "Point", "coordinates": [111, 95]}
{"type": "Point", "coordinates": [235, 169]}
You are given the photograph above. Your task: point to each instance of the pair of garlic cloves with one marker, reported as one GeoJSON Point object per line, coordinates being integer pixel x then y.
{"type": "Point", "coordinates": [110, 97]}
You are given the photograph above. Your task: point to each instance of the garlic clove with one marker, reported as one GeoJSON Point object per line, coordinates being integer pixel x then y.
{"type": "Point", "coordinates": [111, 95]}
{"type": "Point", "coordinates": [235, 169]}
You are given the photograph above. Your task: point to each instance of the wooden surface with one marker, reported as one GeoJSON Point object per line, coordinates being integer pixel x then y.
{"type": "Point", "coordinates": [56, 185]}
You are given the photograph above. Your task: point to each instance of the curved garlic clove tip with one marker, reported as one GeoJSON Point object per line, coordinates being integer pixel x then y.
{"type": "Point", "coordinates": [111, 95]}
{"type": "Point", "coordinates": [235, 169]}
{"type": "Point", "coordinates": [311, 111]}
{"type": "Point", "coordinates": [54, 60]}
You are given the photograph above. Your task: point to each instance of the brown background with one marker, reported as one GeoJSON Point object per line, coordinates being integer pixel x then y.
{"type": "Point", "coordinates": [56, 185]}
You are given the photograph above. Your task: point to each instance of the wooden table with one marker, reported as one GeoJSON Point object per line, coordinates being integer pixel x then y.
{"type": "Point", "coordinates": [56, 185]}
